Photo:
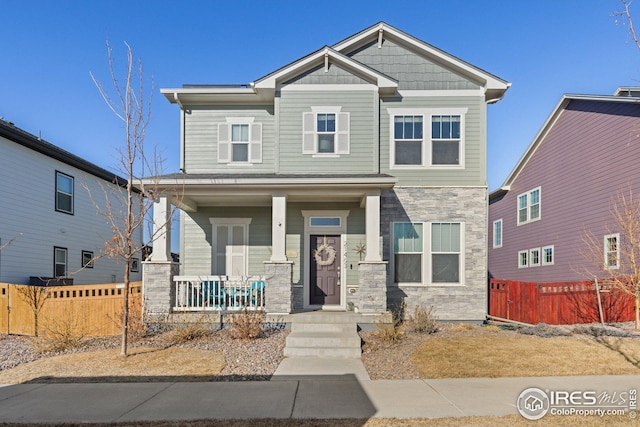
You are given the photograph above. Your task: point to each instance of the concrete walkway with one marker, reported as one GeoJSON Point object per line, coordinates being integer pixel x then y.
{"type": "Point", "coordinates": [310, 388]}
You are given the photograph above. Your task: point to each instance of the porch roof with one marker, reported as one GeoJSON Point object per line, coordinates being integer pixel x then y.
{"type": "Point", "coordinates": [200, 190]}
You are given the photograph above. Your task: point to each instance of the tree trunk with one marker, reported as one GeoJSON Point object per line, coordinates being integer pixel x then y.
{"type": "Point", "coordinates": [125, 312]}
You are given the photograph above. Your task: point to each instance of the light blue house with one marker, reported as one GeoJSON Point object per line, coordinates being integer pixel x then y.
{"type": "Point", "coordinates": [349, 179]}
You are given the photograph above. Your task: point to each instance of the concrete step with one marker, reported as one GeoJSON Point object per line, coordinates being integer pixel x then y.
{"type": "Point", "coordinates": [323, 339]}
{"type": "Point", "coordinates": [324, 327]}
{"type": "Point", "coordinates": [346, 353]}
{"type": "Point", "coordinates": [325, 317]}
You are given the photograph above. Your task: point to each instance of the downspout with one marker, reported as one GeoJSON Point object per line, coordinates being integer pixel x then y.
{"type": "Point", "coordinates": [182, 131]}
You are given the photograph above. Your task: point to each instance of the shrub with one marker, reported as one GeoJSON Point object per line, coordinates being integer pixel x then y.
{"type": "Point", "coordinates": [423, 321]}
{"type": "Point", "coordinates": [545, 331]}
{"type": "Point", "coordinates": [462, 327]}
{"type": "Point", "coordinates": [188, 329]}
{"type": "Point", "coordinates": [136, 328]}
{"type": "Point", "coordinates": [603, 331]}
{"type": "Point", "coordinates": [64, 332]}
{"type": "Point", "coordinates": [247, 324]}
{"type": "Point", "coordinates": [391, 332]}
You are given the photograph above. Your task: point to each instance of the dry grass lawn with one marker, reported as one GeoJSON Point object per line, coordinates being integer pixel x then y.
{"type": "Point", "coordinates": [513, 355]}
{"type": "Point", "coordinates": [143, 364]}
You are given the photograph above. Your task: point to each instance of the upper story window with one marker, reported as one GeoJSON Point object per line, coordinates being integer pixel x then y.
{"type": "Point", "coordinates": [529, 206]}
{"type": "Point", "coordinates": [64, 193]}
{"type": "Point", "coordinates": [412, 148]}
{"type": "Point", "coordinates": [240, 141]}
{"type": "Point", "coordinates": [612, 251]}
{"type": "Point", "coordinates": [497, 233]}
{"type": "Point", "coordinates": [325, 131]}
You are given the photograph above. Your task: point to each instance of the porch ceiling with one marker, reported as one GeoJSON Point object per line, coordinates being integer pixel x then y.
{"type": "Point", "coordinates": [202, 190]}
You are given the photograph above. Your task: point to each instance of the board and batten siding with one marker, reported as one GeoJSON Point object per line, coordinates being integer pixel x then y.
{"type": "Point", "coordinates": [362, 106]}
{"type": "Point", "coordinates": [474, 172]}
{"type": "Point", "coordinates": [590, 154]}
{"type": "Point", "coordinates": [28, 214]}
{"type": "Point", "coordinates": [201, 138]}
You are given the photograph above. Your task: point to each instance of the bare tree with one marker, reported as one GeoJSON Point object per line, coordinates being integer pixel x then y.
{"type": "Point", "coordinates": [616, 260]}
{"type": "Point", "coordinates": [35, 297]}
{"type": "Point", "coordinates": [624, 17]}
{"type": "Point", "coordinates": [128, 210]}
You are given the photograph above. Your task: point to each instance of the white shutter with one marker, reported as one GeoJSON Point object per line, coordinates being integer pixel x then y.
{"type": "Point", "coordinates": [224, 143]}
{"type": "Point", "coordinates": [342, 134]}
{"type": "Point", "coordinates": [255, 145]}
{"type": "Point", "coordinates": [308, 133]}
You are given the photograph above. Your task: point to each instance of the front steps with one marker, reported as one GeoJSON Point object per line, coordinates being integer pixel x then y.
{"type": "Point", "coordinates": [323, 334]}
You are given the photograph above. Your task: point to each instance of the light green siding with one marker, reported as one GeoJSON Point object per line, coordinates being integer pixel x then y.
{"type": "Point", "coordinates": [201, 138]}
{"type": "Point", "coordinates": [334, 75]}
{"type": "Point", "coordinates": [362, 105]}
{"type": "Point", "coordinates": [474, 172]}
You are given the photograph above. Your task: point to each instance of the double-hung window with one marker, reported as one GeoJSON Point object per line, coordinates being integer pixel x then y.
{"type": "Point", "coordinates": [497, 233]}
{"type": "Point", "coordinates": [59, 262]}
{"type": "Point", "coordinates": [412, 145]}
{"type": "Point", "coordinates": [64, 193]}
{"type": "Point", "coordinates": [407, 135]}
{"type": "Point", "coordinates": [529, 206]}
{"type": "Point", "coordinates": [612, 251]}
{"type": "Point", "coordinates": [445, 140]}
{"type": "Point", "coordinates": [325, 131]}
{"type": "Point", "coordinates": [445, 252]}
{"type": "Point", "coordinates": [427, 253]}
{"type": "Point", "coordinates": [407, 251]}
{"type": "Point", "coordinates": [547, 255]}
{"type": "Point", "coordinates": [240, 141]}
{"type": "Point", "coordinates": [523, 259]}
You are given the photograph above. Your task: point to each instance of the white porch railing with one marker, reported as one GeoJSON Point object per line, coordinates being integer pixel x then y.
{"type": "Point", "coordinates": [198, 293]}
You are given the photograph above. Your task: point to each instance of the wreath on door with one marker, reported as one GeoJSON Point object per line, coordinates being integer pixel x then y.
{"type": "Point", "coordinates": [325, 248]}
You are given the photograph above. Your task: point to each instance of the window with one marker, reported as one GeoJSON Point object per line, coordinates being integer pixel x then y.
{"type": "Point", "coordinates": [612, 251]}
{"type": "Point", "coordinates": [534, 257]}
{"type": "Point", "coordinates": [497, 233]}
{"type": "Point", "coordinates": [523, 257]}
{"type": "Point", "coordinates": [547, 255]}
{"type": "Point", "coordinates": [445, 252]}
{"type": "Point", "coordinates": [64, 193]}
{"type": "Point", "coordinates": [240, 141]}
{"type": "Point", "coordinates": [59, 262]}
{"type": "Point", "coordinates": [407, 250]}
{"type": "Point", "coordinates": [325, 221]}
{"type": "Point", "coordinates": [325, 131]}
{"type": "Point", "coordinates": [529, 206]}
{"type": "Point", "coordinates": [445, 140]}
{"type": "Point", "coordinates": [230, 247]}
{"type": "Point", "coordinates": [407, 135]}
{"type": "Point", "coordinates": [87, 259]}
{"type": "Point", "coordinates": [135, 265]}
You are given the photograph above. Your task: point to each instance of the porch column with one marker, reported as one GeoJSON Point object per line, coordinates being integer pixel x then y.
{"type": "Point", "coordinates": [372, 227]}
{"type": "Point", "coordinates": [161, 231]}
{"type": "Point", "coordinates": [279, 227]}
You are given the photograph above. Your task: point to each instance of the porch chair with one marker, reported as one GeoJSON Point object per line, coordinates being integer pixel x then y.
{"type": "Point", "coordinates": [213, 294]}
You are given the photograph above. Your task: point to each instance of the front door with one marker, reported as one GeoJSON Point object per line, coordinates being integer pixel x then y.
{"type": "Point", "coordinates": [324, 270]}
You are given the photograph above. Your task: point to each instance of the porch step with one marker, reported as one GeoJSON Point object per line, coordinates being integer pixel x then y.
{"type": "Point", "coordinates": [323, 334]}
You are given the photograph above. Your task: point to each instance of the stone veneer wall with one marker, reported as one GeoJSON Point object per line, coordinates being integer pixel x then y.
{"type": "Point", "coordinates": [455, 204]}
{"type": "Point", "coordinates": [157, 292]}
{"type": "Point", "coordinates": [279, 293]}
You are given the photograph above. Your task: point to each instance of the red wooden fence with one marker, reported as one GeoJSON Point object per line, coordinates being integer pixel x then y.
{"type": "Point", "coordinates": [561, 303]}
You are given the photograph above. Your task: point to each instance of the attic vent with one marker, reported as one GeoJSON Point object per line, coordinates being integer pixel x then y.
{"type": "Point", "coordinates": [380, 38]}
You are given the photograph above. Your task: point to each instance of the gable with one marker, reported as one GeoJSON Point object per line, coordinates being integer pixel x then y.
{"type": "Point", "coordinates": [412, 70]}
{"type": "Point", "coordinates": [335, 74]}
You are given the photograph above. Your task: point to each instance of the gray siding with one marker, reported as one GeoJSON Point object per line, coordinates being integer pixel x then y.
{"type": "Point", "coordinates": [201, 138]}
{"type": "Point", "coordinates": [410, 69]}
{"type": "Point", "coordinates": [363, 108]}
{"type": "Point", "coordinates": [590, 154]}
{"type": "Point", "coordinates": [474, 172]}
{"type": "Point", "coordinates": [29, 215]}
{"type": "Point", "coordinates": [335, 75]}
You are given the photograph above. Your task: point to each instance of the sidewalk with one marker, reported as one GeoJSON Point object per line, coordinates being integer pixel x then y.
{"type": "Point", "coordinates": [346, 395]}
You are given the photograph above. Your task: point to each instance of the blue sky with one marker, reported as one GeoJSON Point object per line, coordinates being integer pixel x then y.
{"type": "Point", "coordinates": [545, 48]}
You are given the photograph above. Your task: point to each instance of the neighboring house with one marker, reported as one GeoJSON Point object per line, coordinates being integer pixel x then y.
{"type": "Point", "coordinates": [587, 151]}
{"type": "Point", "coordinates": [48, 211]}
{"type": "Point", "coordinates": [351, 178]}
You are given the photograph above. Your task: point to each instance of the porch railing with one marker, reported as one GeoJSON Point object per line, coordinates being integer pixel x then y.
{"type": "Point", "coordinates": [197, 293]}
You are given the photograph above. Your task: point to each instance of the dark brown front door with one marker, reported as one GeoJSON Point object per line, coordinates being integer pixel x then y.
{"type": "Point", "coordinates": [324, 271]}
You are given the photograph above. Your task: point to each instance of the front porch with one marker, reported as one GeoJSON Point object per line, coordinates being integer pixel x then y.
{"type": "Point", "coordinates": [278, 244]}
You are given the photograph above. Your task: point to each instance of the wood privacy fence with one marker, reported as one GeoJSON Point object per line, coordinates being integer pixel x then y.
{"type": "Point", "coordinates": [92, 310]}
{"type": "Point", "coordinates": [561, 303]}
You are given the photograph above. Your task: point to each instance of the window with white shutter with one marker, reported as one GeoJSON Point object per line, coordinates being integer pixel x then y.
{"type": "Point", "coordinates": [240, 141]}
{"type": "Point", "coordinates": [325, 133]}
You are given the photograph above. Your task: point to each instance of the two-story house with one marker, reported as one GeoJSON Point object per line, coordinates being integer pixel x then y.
{"type": "Point", "coordinates": [49, 224]}
{"type": "Point", "coordinates": [349, 179]}
{"type": "Point", "coordinates": [563, 189]}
